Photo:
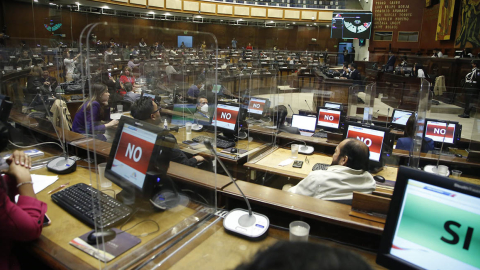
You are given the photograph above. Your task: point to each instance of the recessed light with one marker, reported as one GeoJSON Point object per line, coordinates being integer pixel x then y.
{"type": "Point", "coordinates": [293, 22]}
{"type": "Point", "coordinates": [314, 23]}
{"type": "Point", "coordinates": [76, 3]}
{"type": "Point", "coordinates": [167, 14]}
{"type": "Point", "coordinates": [240, 19]}
{"type": "Point", "coordinates": [221, 20]}
{"type": "Point", "coordinates": [151, 12]}
{"type": "Point", "coordinates": [271, 21]}
{"type": "Point", "coordinates": [53, 4]}
{"type": "Point", "coordinates": [105, 7]}
{"type": "Point", "coordinates": [198, 16]}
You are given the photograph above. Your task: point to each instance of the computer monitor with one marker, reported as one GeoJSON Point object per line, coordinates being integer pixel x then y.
{"type": "Point", "coordinates": [377, 139]}
{"type": "Point", "coordinates": [400, 117]}
{"type": "Point", "coordinates": [437, 131]}
{"type": "Point", "coordinates": [305, 124]}
{"type": "Point", "coordinates": [217, 88]}
{"type": "Point", "coordinates": [139, 149]}
{"type": "Point", "coordinates": [329, 119]}
{"type": "Point", "coordinates": [333, 105]}
{"type": "Point", "coordinates": [183, 113]}
{"type": "Point", "coordinates": [258, 106]}
{"type": "Point", "coordinates": [432, 223]}
{"type": "Point", "coordinates": [149, 95]}
{"type": "Point", "coordinates": [228, 117]}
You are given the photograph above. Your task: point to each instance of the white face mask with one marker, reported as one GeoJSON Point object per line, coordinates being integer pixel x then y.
{"type": "Point", "coordinates": [204, 108]}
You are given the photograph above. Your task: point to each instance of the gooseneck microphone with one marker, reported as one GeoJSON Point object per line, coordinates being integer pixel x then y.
{"type": "Point", "coordinates": [308, 105]}
{"type": "Point", "coordinates": [195, 126]}
{"type": "Point", "coordinates": [291, 108]}
{"type": "Point", "coordinates": [239, 221]}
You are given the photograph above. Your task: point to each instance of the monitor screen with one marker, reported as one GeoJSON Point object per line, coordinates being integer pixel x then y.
{"type": "Point", "coordinates": [184, 114]}
{"type": "Point", "coordinates": [187, 40]}
{"type": "Point", "coordinates": [437, 131]}
{"type": "Point", "coordinates": [401, 117]}
{"type": "Point", "coordinates": [226, 117]}
{"type": "Point", "coordinates": [133, 154]}
{"type": "Point", "coordinates": [437, 228]}
{"type": "Point", "coordinates": [256, 105]}
{"type": "Point", "coordinates": [216, 88]}
{"type": "Point", "coordinates": [371, 137]}
{"type": "Point", "coordinates": [149, 95]}
{"type": "Point", "coordinates": [351, 25]}
{"type": "Point", "coordinates": [333, 105]}
{"type": "Point", "coordinates": [304, 123]}
{"type": "Point", "coordinates": [328, 118]}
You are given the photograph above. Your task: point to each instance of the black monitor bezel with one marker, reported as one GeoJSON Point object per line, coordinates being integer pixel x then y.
{"type": "Point", "coordinates": [384, 258]}
{"type": "Point", "coordinates": [387, 145]}
{"type": "Point", "coordinates": [393, 113]}
{"type": "Point", "coordinates": [265, 109]}
{"type": "Point", "coordinates": [242, 112]}
{"type": "Point", "coordinates": [316, 121]}
{"type": "Point", "coordinates": [341, 105]}
{"type": "Point", "coordinates": [158, 164]}
{"type": "Point", "coordinates": [340, 124]}
{"type": "Point", "coordinates": [456, 134]}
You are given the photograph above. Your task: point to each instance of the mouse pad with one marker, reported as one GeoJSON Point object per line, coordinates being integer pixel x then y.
{"type": "Point", "coordinates": [122, 242]}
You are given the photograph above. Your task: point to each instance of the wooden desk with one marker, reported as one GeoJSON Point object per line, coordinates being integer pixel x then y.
{"type": "Point", "coordinates": [270, 164]}
{"type": "Point", "coordinates": [219, 250]}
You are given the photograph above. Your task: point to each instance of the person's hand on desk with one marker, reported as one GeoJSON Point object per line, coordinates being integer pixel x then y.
{"type": "Point", "coordinates": [20, 158]}
{"type": "Point", "coordinates": [19, 168]}
{"type": "Point", "coordinates": [199, 159]}
{"type": "Point", "coordinates": [113, 123]}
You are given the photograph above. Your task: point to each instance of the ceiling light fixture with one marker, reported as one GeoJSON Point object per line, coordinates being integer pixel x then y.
{"type": "Point", "coordinates": [105, 7]}
{"type": "Point", "coordinates": [167, 14]}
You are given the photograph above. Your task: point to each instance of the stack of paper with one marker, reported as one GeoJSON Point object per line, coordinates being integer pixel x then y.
{"type": "Point", "coordinates": [40, 182]}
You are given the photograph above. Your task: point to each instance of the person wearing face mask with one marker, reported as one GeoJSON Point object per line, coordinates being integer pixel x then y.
{"type": "Point", "coordinates": [202, 114]}
{"type": "Point", "coordinates": [347, 173]}
{"type": "Point", "coordinates": [145, 109]}
{"type": "Point", "coordinates": [89, 116]}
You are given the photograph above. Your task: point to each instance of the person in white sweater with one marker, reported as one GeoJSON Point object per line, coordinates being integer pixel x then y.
{"type": "Point", "coordinates": [347, 173]}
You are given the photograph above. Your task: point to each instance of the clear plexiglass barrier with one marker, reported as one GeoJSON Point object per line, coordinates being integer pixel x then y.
{"type": "Point", "coordinates": [144, 115]}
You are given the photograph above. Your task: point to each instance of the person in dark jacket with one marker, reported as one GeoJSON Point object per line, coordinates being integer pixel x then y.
{"type": "Point", "coordinates": [145, 109]}
{"type": "Point", "coordinates": [406, 143]}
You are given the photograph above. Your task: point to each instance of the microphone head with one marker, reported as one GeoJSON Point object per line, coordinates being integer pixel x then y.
{"type": "Point", "coordinates": [208, 144]}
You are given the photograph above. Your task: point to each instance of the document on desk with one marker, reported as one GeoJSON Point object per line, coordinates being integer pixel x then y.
{"type": "Point", "coordinates": [286, 162]}
{"type": "Point", "coordinates": [40, 182]}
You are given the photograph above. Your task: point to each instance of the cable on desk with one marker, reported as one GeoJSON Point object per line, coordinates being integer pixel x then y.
{"type": "Point", "coordinates": [34, 144]}
{"type": "Point", "coordinates": [196, 194]}
{"type": "Point", "coordinates": [146, 220]}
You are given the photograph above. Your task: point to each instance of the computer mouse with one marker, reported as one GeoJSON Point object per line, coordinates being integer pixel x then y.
{"type": "Point", "coordinates": [459, 155]}
{"type": "Point", "coordinates": [233, 150]}
{"type": "Point", "coordinates": [100, 236]}
{"type": "Point", "coordinates": [379, 178]}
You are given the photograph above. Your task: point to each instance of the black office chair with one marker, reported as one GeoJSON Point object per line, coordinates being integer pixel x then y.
{"type": "Point", "coordinates": [126, 105]}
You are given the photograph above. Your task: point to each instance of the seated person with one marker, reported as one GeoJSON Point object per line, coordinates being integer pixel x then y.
{"type": "Point", "coordinates": [21, 221]}
{"type": "Point", "coordinates": [194, 90]}
{"type": "Point", "coordinates": [145, 109]}
{"type": "Point", "coordinates": [406, 143]}
{"type": "Point", "coordinates": [49, 81]}
{"type": "Point", "coordinates": [285, 255]}
{"type": "Point", "coordinates": [24, 61]}
{"type": "Point", "coordinates": [202, 113]}
{"type": "Point", "coordinates": [347, 173]}
{"type": "Point", "coordinates": [95, 113]}
{"type": "Point", "coordinates": [130, 95]}
{"type": "Point", "coordinates": [418, 71]}
{"type": "Point", "coordinates": [345, 72]}
{"type": "Point", "coordinates": [126, 77]}
{"type": "Point", "coordinates": [354, 73]}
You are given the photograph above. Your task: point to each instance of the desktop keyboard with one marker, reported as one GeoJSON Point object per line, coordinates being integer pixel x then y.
{"type": "Point", "coordinates": [320, 166]}
{"type": "Point", "coordinates": [77, 201]}
{"type": "Point", "coordinates": [220, 142]}
{"type": "Point", "coordinates": [320, 135]}
{"type": "Point", "coordinates": [442, 152]}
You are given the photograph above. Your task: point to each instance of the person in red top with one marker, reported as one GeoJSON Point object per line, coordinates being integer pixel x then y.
{"type": "Point", "coordinates": [21, 221]}
{"type": "Point", "coordinates": [126, 77]}
{"type": "Point", "coordinates": [249, 47]}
